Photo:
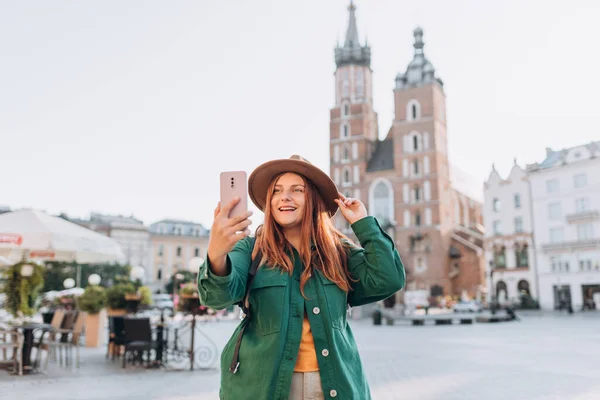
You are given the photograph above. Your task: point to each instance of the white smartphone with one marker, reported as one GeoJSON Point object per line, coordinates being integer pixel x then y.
{"type": "Point", "coordinates": [234, 184]}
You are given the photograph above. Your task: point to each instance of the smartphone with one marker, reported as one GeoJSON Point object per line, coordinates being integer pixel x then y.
{"type": "Point", "coordinates": [234, 184]}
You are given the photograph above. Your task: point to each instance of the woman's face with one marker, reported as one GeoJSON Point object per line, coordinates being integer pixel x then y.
{"type": "Point", "coordinates": [288, 201]}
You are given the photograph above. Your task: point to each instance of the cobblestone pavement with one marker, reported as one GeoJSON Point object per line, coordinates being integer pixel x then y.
{"type": "Point", "coordinates": [543, 356]}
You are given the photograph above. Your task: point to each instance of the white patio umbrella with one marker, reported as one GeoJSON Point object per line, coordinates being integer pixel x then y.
{"type": "Point", "coordinates": [37, 235]}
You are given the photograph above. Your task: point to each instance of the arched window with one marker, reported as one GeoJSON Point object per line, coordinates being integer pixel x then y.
{"type": "Point", "coordinates": [345, 110]}
{"type": "Point", "coordinates": [417, 218]}
{"type": "Point", "coordinates": [413, 110]}
{"type": "Point", "coordinates": [427, 190]}
{"type": "Point", "coordinates": [346, 152]}
{"type": "Point", "coordinates": [381, 201]}
{"type": "Point", "coordinates": [344, 131]}
{"type": "Point", "coordinates": [381, 197]}
{"type": "Point", "coordinates": [523, 287]}
{"type": "Point", "coordinates": [417, 194]}
{"type": "Point", "coordinates": [501, 291]}
{"type": "Point", "coordinates": [347, 178]}
{"type": "Point", "coordinates": [415, 143]}
{"type": "Point", "coordinates": [416, 167]}
{"type": "Point", "coordinates": [428, 216]}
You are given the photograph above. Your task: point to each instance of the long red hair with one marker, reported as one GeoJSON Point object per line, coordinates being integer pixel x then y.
{"type": "Point", "coordinates": [330, 252]}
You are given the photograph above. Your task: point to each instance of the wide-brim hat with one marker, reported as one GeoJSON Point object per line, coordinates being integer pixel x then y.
{"type": "Point", "coordinates": [261, 177]}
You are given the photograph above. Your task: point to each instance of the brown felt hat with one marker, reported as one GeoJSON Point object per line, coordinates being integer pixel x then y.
{"type": "Point", "coordinates": [261, 177]}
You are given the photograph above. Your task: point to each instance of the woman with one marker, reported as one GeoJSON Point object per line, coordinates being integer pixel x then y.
{"type": "Point", "coordinates": [296, 343]}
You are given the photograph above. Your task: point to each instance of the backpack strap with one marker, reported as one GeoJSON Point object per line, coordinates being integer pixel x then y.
{"type": "Point", "coordinates": [245, 306]}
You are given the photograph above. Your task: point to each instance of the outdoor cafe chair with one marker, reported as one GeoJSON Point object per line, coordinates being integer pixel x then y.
{"type": "Point", "coordinates": [12, 340]}
{"type": "Point", "coordinates": [138, 338]}
{"type": "Point", "coordinates": [69, 339]}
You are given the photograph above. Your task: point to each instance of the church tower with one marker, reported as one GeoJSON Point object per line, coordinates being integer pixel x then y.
{"type": "Point", "coordinates": [421, 163]}
{"type": "Point", "coordinates": [353, 121]}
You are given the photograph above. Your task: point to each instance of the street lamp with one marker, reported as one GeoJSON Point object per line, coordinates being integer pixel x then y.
{"type": "Point", "coordinates": [26, 270]}
{"type": "Point", "coordinates": [94, 279]}
{"type": "Point", "coordinates": [69, 283]}
{"type": "Point", "coordinates": [138, 273]}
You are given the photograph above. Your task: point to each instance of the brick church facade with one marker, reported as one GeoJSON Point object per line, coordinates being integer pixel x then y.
{"type": "Point", "coordinates": [405, 179]}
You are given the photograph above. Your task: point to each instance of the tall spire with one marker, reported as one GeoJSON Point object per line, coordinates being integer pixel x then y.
{"type": "Point", "coordinates": [352, 32]}
{"type": "Point", "coordinates": [352, 52]}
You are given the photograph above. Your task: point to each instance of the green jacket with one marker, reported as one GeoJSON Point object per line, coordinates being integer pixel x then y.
{"type": "Point", "coordinates": [271, 341]}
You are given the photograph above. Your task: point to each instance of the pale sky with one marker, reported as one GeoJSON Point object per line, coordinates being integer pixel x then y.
{"type": "Point", "coordinates": [134, 107]}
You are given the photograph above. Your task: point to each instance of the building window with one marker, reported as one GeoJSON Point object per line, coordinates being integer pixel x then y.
{"type": "Point", "coordinates": [159, 274]}
{"type": "Point", "coordinates": [517, 200]}
{"type": "Point", "coordinates": [426, 165]}
{"type": "Point", "coordinates": [161, 249]}
{"type": "Point", "coordinates": [344, 131]}
{"type": "Point", "coordinates": [521, 253]}
{"type": "Point", "coordinates": [346, 110]}
{"type": "Point", "coordinates": [416, 167]}
{"type": "Point", "coordinates": [415, 143]}
{"type": "Point", "coordinates": [500, 257]}
{"type": "Point", "coordinates": [428, 216]}
{"type": "Point", "coordinates": [178, 252]}
{"type": "Point", "coordinates": [554, 211]}
{"type": "Point", "coordinates": [497, 228]}
{"type": "Point", "coordinates": [580, 180]}
{"type": "Point", "coordinates": [417, 218]}
{"type": "Point", "coordinates": [496, 204]}
{"type": "Point", "coordinates": [196, 252]}
{"type": "Point", "coordinates": [420, 265]}
{"type": "Point", "coordinates": [552, 186]}
{"type": "Point", "coordinates": [581, 205]}
{"type": "Point", "coordinates": [381, 197]}
{"type": "Point", "coordinates": [406, 218]}
{"type": "Point", "coordinates": [518, 224]}
{"type": "Point", "coordinates": [347, 180]}
{"type": "Point", "coordinates": [346, 152]}
{"type": "Point", "coordinates": [585, 231]}
{"type": "Point", "coordinates": [413, 110]}
{"type": "Point", "coordinates": [427, 190]}
{"type": "Point", "coordinates": [417, 194]}
{"type": "Point", "coordinates": [556, 235]}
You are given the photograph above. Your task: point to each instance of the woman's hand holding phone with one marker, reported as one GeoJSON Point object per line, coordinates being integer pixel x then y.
{"type": "Point", "coordinates": [224, 234]}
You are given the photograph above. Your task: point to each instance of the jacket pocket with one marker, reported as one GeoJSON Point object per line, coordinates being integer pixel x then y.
{"type": "Point", "coordinates": [267, 298]}
{"type": "Point", "coordinates": [337, 301]}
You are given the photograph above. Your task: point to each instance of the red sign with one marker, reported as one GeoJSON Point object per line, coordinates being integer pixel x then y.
{"type": "Point", "coordinates": [42, 254]}
{"type": "Point", "coordinates": [11, 238]}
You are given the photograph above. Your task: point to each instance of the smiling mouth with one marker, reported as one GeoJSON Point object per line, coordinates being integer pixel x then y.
{"type": "Point", "coordinates": [287, 209]}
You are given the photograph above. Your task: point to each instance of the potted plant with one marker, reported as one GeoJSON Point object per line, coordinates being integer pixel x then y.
{"type": "Point", "coordinates": [22, 284]}
{"type": "Point", "coordinates": [190, 301]}
{"type": "Point", "coordinates": [93, 302]}
{"type": "Point", "coordinates": [145, 296]}
{"type": "Point", "coordinates": [115, 298]}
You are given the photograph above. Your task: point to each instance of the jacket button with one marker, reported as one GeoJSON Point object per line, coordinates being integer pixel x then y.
{"type": "Point", "coordinates": [316, 310]}
{"type": "Point", "coordinates": [332, 393]}
{"type": "Point", "coordinates": [325, 352]}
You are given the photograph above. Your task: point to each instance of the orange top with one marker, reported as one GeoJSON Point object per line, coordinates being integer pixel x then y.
{"type": "Point", "coordinates": [307, 355]}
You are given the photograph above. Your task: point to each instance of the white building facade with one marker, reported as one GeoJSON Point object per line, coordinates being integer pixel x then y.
{"type": "Point", "coordinates": [509, 243]}
{"type": "Point", "coordinates": [566, 215]}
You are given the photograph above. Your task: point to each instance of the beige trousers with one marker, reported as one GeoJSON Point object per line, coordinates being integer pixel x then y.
{"type": "Point", "coordinates": [306, 386]}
